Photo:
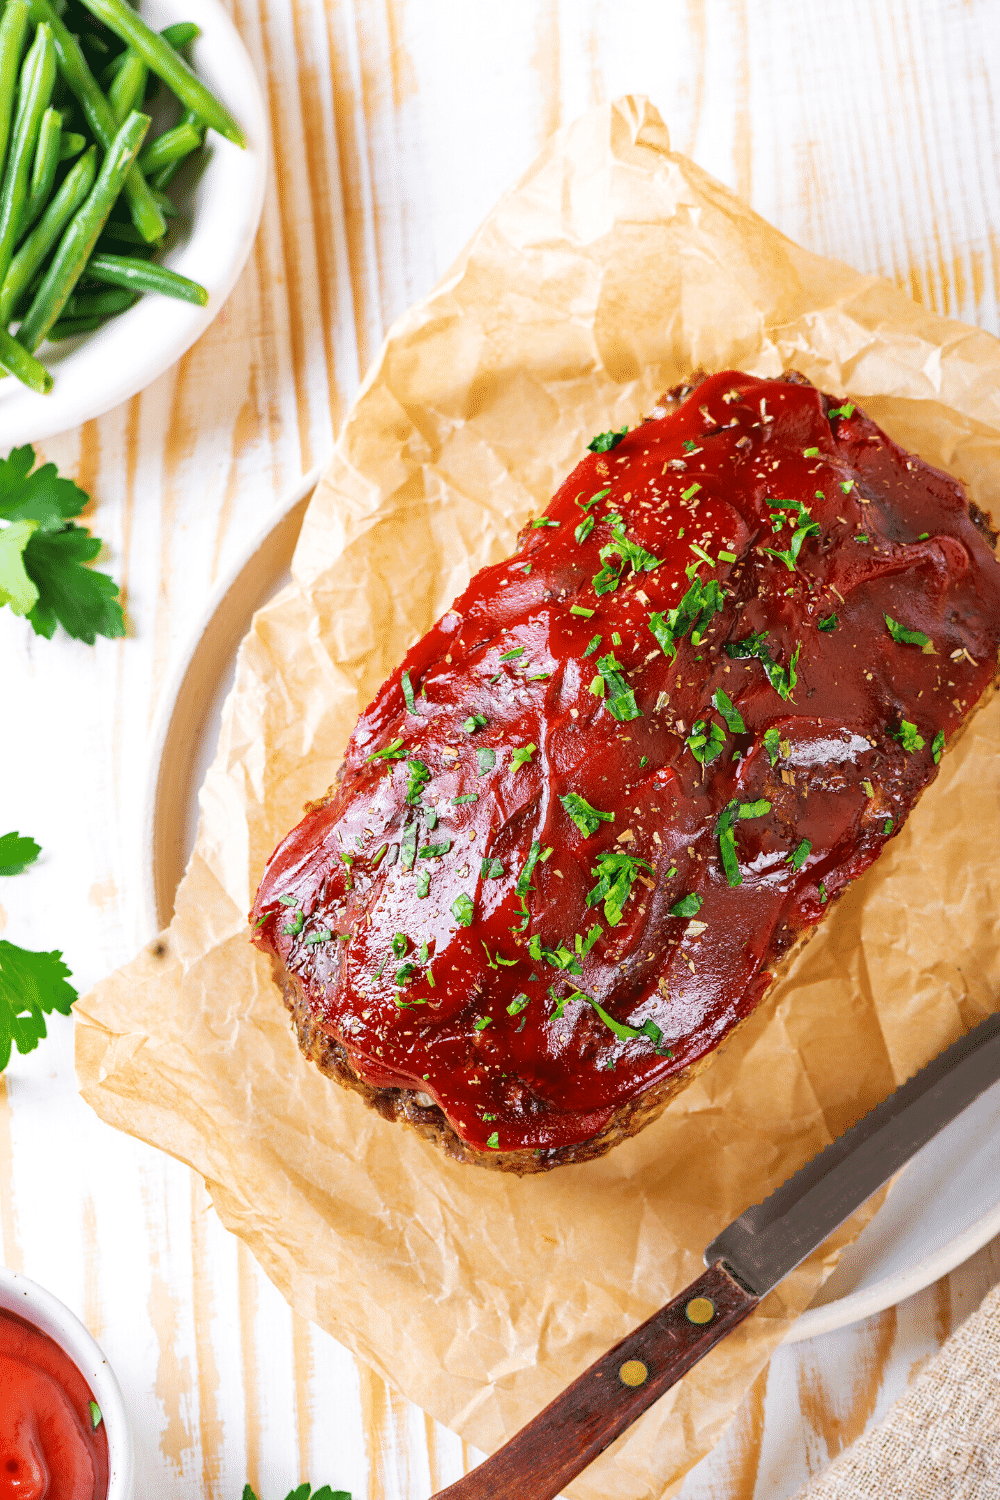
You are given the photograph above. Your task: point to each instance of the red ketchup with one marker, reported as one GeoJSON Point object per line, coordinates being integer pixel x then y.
{"type": "Point", "coordinates": [50, 1448]}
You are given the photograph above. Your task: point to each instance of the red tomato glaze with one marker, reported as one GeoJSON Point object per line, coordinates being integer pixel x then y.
{"type": "Point", "coordinates": [531, 998]}
{"type": "Point", "coordinates": [49, 1448]}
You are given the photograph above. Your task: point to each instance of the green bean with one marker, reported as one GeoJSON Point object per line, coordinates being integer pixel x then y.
{"type": "Point", "coordinates": [167, 205]}
{"type": "Point", "coordinates": [74, 188]}
{"type": "Point", "coordinates": [37, 77]}
{"type": "Point", "coordinates": [166, 63]}
{"type": "Point", "coordinates": [69, 328]}
{"type": "Point", "coordinates": [73, 66]}
{"type": "Point", "coordinates": [25, 366]}
{"type": "Point", "coordinates": [172, 145]}
{"type": "Point", "coordinates": [165, 176]}
{"type": "Point", "coordinates": [140, 276]}
{"type": "Point", "coordinates": [70, 145]}
{"type": "Point", "coordinates": [127, 234]}
{"type": "Point", "coordinates": [77, 244]}
{"type": "Point", "coordinates": [99, 304]}
{"type": "Point", "coordinates": [12, 30]}
{"type": "Point", "coordinates": [129, 88]}
{"type": "Point", "coordinates": [43, 173]}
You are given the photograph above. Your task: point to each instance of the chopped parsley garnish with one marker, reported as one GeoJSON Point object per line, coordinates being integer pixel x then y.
{"type": "Point", "coordinates": [810, 453]}
{"type": "Point", "coordinates": [434, 851]}
{"type": "Point", "coordinates": [905, 637]}
{"type": "Point", "coordinates": [405, 971]}
{"type": "Point", "coordinates": [937, 746]}
{"type": "Point", "coordinates": [584, 529]}
{"type": "Point", "coordinates": [887, 827]}
{"type": "Point", "coordinates": [847, 410]}
{"type": "Point", "coordinates": [772, 743]}
{"type": "Point", "coordinates": [462, 909]}
{"type": "Point", "coordinates": [588, 819]}
{"type": "Point", "coordinates": [394, 751]}
{"type": "Point", "coordinates": [474, 722]}
{"type": "Point", "coordinates": [321, 935]}
{"type": "Point", "coordinates": [542, 521]}
{"type": "Point", "coordinates": [581, 609]}
{"type": "Point", "coordinates": [862, 536]}
{"type": "Point", "coordinates": [629, 553]}
{"type": "Point", "coordinates": [908, 737]}
{"type": "Point", "coordinates": [583, 945]}
{"type": "Point", "coordinates": [689, 446]}
{"type": "Point", "coordinates": [408, 845]}
{"type": "Point", "coordinates": [593, 645]}
{"type": "Point", "coordinates": [493, 1141]}
{"type": "Point", "coordinates": [419, 776]}
{"type": "Point", "coordinates": [514, 654]}
{"type": "Point", "coordinates": [517, 1005]}
{"type": "Point", "coordinates": [727, 556]}
{"type": "Point", "coordinates": [694, 613]}
{"type": "Point", "coordinates": [524, 879]}
{"type": "Point", "coordinates": [491, 869]}
{"type": "Point", "coordinates": [731, 714]}
{"type": "Point", "coordinates": [923, 536]}
{"type": "Point", "coordinates": [95, 1415]}
{"type": "Point", "coordinates": [521, 757]}
{"type": "Point", "coordinates": [423, 884]}
{"type": "Point", "coordinates": [620, 699]}
{"type": "Point", "coordinates": [724, 831]}
{"type": "Point", "coordinates": [400, 943]}
{"type": "Point", "coordinates": [482, 1023]}
{"type": "Point", "coordinates": [486, 759]}
{"type": "Point", "coordinates": [806, 527]}
{"type": "Point", "coordinates": [17, 853]}
{"type": "Point", "coordinates": [600, 495]}
{"type": "Point", "coordinates": [692, 490]}
{"type": "Point", "coordinates": [559, 958]}
{"type": "Point", "coordinates": [799, 854]}
{"type": "Point", "coordinates": [643, 761]}
{"type": "Point", "coordinates": [295, 926]}
{"type": "Point", "coordinates": [782, 679]}
{"type": "Point", "coordinates": [687, 906]}
{"type": "Point", "coordinates": [623, 1032]}
{"type": "Point", "coordinates": [605, 441]}
{"type": "Point", "coordinates": [830, 623]}
{"type": "Point", "coordinates": [616, 873]}
{"type": "Point", "coordinates": [288, 900]}
{"type": "Point", "coordinates": [822, 894]}
{"type": "Point", "coordinates": [408, 692]}
{"type": "Point", "coordinates": [705, 741]}
{"type": "Point", "coordinates": [465, 797]}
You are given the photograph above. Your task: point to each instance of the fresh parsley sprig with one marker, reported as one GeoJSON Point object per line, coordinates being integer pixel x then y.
{"type": "Point", "coordinates": [616, 873]}
{"type": "Point", "coordinates": [305, 1492]}
{"type": "Point", "coordinates": [43, 554]}
{"type": "Point", "coordinates": [32, 985]}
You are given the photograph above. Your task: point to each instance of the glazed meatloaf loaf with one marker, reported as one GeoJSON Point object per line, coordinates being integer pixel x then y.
{"type": "Point", "coordinates": [597, 804]}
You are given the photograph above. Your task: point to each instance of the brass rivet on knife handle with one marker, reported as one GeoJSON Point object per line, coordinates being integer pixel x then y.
{"type": "Point", "coordinates": [633, 1372]}
{"type": "Point", "coordinates": [700, 1310]}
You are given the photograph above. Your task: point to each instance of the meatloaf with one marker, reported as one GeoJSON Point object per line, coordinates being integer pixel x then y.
{"type": "Point", "coordinates": [592, 811]}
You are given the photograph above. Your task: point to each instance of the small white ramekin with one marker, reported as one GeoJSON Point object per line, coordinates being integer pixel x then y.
{"type": "Point", "coordinates": [38, 1307]}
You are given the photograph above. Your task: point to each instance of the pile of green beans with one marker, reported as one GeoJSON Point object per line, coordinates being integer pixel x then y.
{"type": "Point", "coordinates": [79, 178]}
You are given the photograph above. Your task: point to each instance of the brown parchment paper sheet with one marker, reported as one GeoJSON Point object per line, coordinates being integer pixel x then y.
{"type": "Point", "coordinates": [610, 271]}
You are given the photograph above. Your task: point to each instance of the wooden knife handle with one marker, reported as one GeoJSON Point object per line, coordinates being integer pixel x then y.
{"type": "Point", "coordinates": [608, 1397]}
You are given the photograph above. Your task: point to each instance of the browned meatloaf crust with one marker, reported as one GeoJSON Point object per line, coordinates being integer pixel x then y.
{"type": "Point", "coordinates": [605, 798]}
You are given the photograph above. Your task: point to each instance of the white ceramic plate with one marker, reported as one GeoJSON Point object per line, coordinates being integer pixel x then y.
{"type": "Point", "coordinates": [942, 1208]}
{"type": "Point", "coordinates": [95, 372]}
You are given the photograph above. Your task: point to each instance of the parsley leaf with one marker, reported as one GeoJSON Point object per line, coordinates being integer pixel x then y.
{"type": "Point", "coordinates": [806, 527]}
{"type": "Point", "coordinates": [622, 1031]}
{"type": "Point", "coordinates": [630, 554]}
{"type": "Point", "coordinates": [687, 906]}
{"type": "Point", "coordinates": [408, 692]}
{"type": "Point", "coordinates": [782, 679]}
{"type": "Point", "coordinates": [486, 759]}
{"type": "Point", "coordinates": [937, 746]}
{"type": "Point", "coordinates": [16, 588]}
{"type": "Point", "coordinates": [462, 909]}
{"type": "Point", "coordinates": [705, 741]}
{"type": "Point", "coordinates": [799, 854]}
{"type": "Point", "coordinates": [694, 613]}
{"type": "Point", "coordinates": [408, 845]}
{"type": "Point", "coordinates": [605, 441]}
{"type": "Point", "coordinates": [620, 700]}
{"type": "Point", "coordinates": [772, 742]}
{"type": "Point", "coordinates": [305, 1492]}
{"type": "Point", "coordinates": [521, 757]}
{"type": "Point", "coordinates": [593, 645]}
{"type": "Point", "coordinates": [830, 623]}
{"type": "Point", "coordinates": [32, 986]}
{"type": "Point", "coordinates": [491, 869]}
{"type": "Point", "coordinates": [17, 853]}
{"type": "Point", "coordinates": [908, 737]}
{"type": "Point", "coordinates": [904, 637]}
{"type": "Point", "coordinates": [517, 1004]}
{"type": "Point", "coordinates": [584, 529]}
{"type": "Point", "coordinates": [724, 825]}
{"type": "Point", "coordinates": [474, 722]}
{"type": "Point", "coordinates": [728, 710]}
{"type": "Point", "coordinates": [524, 879]}
{"type": "Point", "coordinates": [434, 851]}
{"type": "Point", "coordinates": [588, 819]}
{"type": "Point", "coordinates": [616, 873]}
{"type": "Point", "coordinates": [514, 654]}
{"type": "Point", "coordinates": [83, 602]}
{"type": "Point", "coordinates": [391, 752]}
{"type": "Point", "coordinates": [419, 776]}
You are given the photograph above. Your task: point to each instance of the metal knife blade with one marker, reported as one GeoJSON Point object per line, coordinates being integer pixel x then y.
{"type": "Point", "coordinates": [744, 1262]}
{"type": "Point", "coordinates": [771, 1238]}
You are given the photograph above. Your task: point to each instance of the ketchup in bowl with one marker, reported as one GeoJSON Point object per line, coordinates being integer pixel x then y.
{"type": "Point", "coordinates": [52, 1440]}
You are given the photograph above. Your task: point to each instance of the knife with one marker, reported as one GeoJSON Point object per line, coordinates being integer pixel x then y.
{"type": "Point", "coordinates": [745, 1262]}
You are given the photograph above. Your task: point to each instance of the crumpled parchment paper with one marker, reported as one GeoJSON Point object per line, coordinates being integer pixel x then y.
{"type": "Point", "coordinates": [612, 269]}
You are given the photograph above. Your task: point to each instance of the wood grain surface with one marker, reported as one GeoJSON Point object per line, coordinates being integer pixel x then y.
{"type": "Point", "coordinates": [865, 130]}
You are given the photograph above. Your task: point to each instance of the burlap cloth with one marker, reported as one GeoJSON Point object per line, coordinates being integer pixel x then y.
{"type": "Point", "coordinates": [941, 1441]}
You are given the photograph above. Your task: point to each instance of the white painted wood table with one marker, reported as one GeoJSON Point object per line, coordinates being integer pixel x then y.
{"type": "Point", "coordinates": [865, 130]}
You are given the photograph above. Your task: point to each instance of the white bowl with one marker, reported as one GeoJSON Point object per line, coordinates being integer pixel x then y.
{"type": "Point", "coordinates": [99, 370]}
{"type": "Point", "coordinates": [38, 1307]}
